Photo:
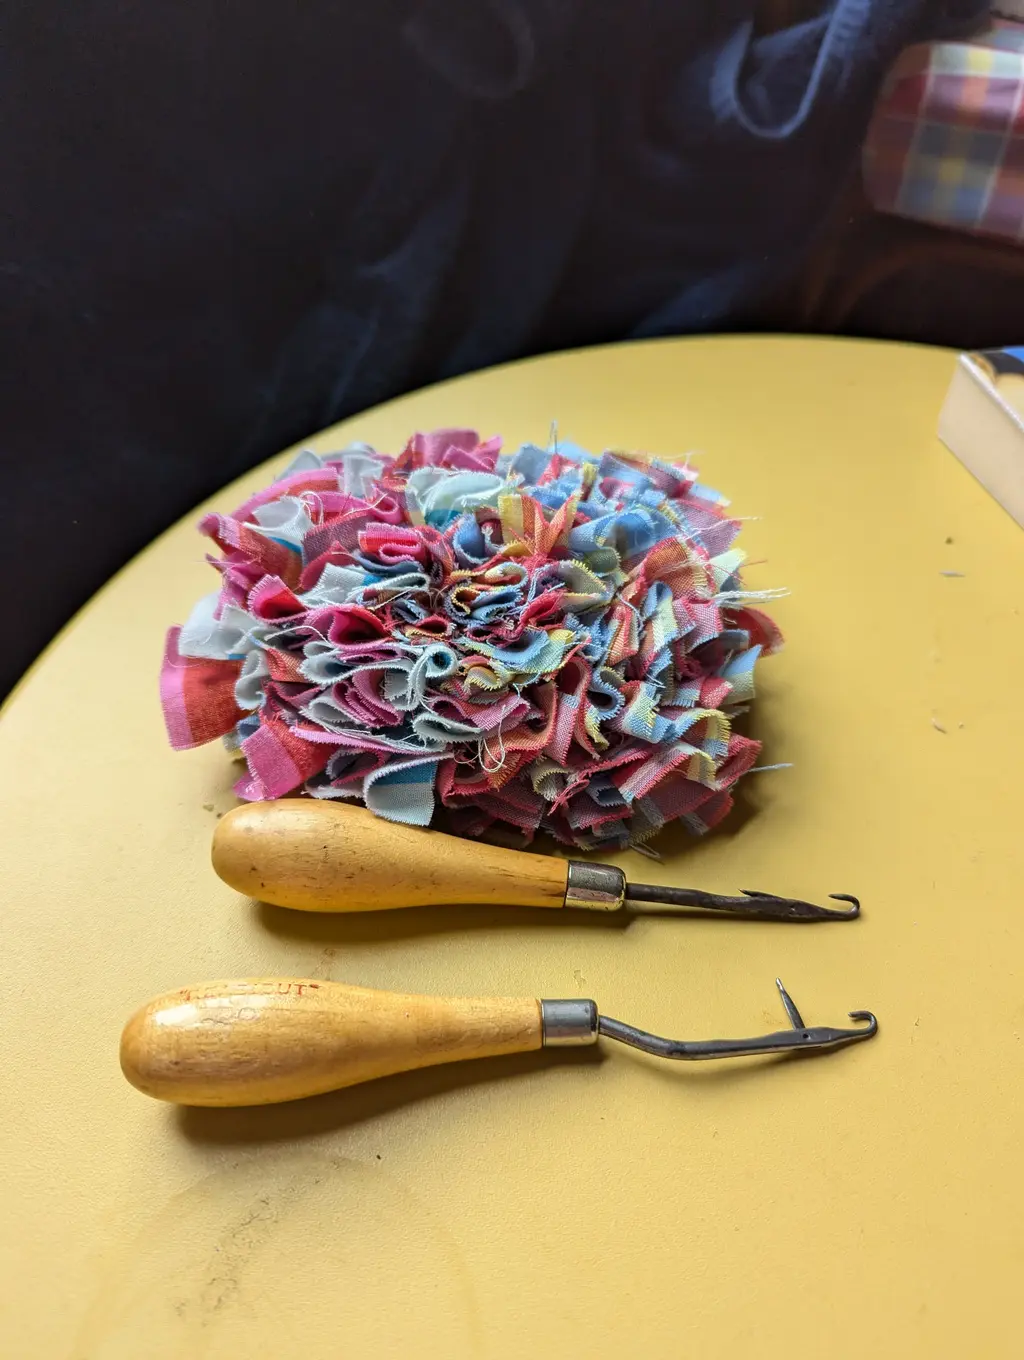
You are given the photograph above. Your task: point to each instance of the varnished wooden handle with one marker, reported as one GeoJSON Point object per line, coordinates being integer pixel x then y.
{"type": "Point", "coordinates": [318, 856]}
{"type": "Point", "coordinates": [257, 1041]}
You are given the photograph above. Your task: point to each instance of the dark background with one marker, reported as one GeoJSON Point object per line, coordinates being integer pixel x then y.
{"type": "Point", "coordinates": [225, 226]}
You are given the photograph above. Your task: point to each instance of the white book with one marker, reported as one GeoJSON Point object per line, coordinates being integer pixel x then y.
{"type": "Point", "coordinates": [982, 422]}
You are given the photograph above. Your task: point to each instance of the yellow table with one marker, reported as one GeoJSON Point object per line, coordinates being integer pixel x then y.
{"type": "Point", "coordinates": [864, 1204]}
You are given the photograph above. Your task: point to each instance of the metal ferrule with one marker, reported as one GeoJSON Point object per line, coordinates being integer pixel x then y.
{"type": "Point", "coordinates": [568, 1024]}
{"type": "Point", "coordinates": [595, 887]}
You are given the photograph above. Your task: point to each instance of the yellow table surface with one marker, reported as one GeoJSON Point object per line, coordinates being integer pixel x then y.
{"type": "Point", "coordinates": [867, 1203]}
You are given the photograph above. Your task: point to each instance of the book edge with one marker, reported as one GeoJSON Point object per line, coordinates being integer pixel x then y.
{"type": "Point", "coordinates": [1002, 474]}
{"type": "Point", "coordinates": [969, 363]}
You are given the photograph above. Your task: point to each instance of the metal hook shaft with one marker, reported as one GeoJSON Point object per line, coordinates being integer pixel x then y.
{"type": "Point", "coordinates": [603, 887]}
{"type": "Point", "coordinates": [752, 904]}
{"type": "Point", "coordinates": [800, 1039]}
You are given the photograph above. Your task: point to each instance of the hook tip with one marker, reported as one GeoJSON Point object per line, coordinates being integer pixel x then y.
{"type": "Point", "coordinates": [870, 1018]}
{"type": "Point", "coordinates": [853, 901]}
{"type": "Point", "coordinates": [770, 907]}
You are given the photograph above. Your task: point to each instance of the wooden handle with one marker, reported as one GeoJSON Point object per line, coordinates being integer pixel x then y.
{"type": "Point", "coordinates": [317, 856]}
{"type": "Point", "coordinates": [256, 1041]}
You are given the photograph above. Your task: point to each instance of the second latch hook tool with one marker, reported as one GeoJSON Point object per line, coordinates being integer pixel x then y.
{"type": "Point", "coordinates": [317, 856]}
{"type": "Point", "coordinates": [258, 1041]}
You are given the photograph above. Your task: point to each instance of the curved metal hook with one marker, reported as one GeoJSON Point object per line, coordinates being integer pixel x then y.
{"type": "Point", "coordinates": [753, 904]}
{"type": "Point", "coordinates": [800, 1039]}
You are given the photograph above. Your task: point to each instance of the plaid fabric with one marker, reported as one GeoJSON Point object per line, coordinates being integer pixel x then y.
{"type": "Point", "coordinates": [946, 143]}
{"type": "Point", "coordinates": [544, 638]}
{"type": "Point", "coordinates": [198, 696]}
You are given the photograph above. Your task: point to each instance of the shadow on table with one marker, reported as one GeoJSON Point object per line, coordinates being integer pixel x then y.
{"type": "Point", "coordinates": [369, 1100]}
{"type": "Point", "coordinates": [411, 923]}
{"type": "Point", "coordinates": [338, 1110]}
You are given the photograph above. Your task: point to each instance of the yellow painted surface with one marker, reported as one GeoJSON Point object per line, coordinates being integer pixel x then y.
{"type": "Point", "coordinates": [869, 1203]}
